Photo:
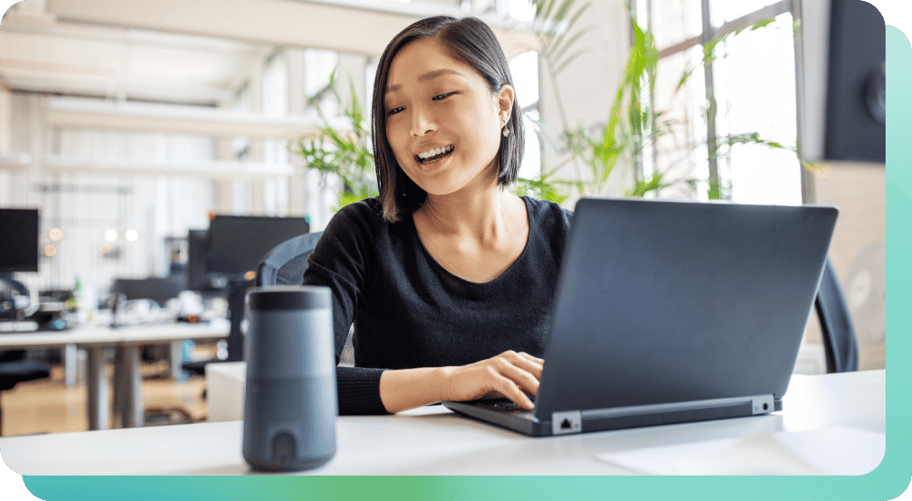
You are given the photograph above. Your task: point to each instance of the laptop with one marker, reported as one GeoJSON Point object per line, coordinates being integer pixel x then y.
{"type": "Point", "coordinates": [670, 312]}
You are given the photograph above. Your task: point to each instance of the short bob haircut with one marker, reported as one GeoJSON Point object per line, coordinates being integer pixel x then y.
{"type": "Point", "coordinates": [472, 42]}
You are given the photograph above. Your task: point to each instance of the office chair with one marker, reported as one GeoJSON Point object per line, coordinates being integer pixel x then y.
{"type": "Point", "coordinates": [286, 262]}
{"type": "Point", "coordinates": [283, 265]}
{"type": "Point", "coordinates": [14, 369]}
{"type": "Point", "coordinates": [839, 342]}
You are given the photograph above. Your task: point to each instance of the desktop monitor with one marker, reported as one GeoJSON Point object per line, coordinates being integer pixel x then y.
{"type": "Point", "coordinates": [840, 63]}
{"type": "Point", "coordinates": [197, 272]}
{"type": "Point", "coordinates": [237, 244]}
{"type": "Point", "coordinates": [158, 289]}
{"type": "Point", "coordinates": [18, 240]}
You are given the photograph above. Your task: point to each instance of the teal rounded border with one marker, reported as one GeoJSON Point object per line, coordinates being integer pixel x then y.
{"type": "Point", "coordinates": [887, 481]}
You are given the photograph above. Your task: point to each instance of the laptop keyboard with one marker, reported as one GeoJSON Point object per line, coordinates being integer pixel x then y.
{"type": "Point", "coordinates": [503, 405]}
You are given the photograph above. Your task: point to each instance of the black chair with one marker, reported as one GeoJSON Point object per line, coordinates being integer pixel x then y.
{"type": "Point", "coordinates": [14, 369]}
{"type": "Point", "coordinates": [286, 262]}
{"type": "Point", "coordinates": [283, 265]}
{"type": "Point", "coordinates": [839, 342]}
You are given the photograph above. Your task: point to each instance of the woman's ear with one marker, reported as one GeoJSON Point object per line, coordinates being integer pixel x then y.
{"type": "Point", "coordinates": [505, 99]}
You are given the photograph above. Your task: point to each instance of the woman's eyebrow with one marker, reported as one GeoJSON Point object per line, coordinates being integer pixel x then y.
{"type": "Point", "coordinates": [427, 76]}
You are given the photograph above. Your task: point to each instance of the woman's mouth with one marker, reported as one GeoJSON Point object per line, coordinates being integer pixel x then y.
{"type": "Point", "coordinates": [434, 154]}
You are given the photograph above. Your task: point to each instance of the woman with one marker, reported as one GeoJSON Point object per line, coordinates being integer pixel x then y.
{"type": "Point", "coordinates": [447, 276]}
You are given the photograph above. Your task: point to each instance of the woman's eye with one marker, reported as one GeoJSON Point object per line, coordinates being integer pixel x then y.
{"type": "Point", "coordinates": [445, 95]}
{"type": "Point", "coordinates": [395, 110]}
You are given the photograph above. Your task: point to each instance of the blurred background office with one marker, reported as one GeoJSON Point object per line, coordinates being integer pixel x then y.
{"type": "Point", "coordinates": [130, 124]}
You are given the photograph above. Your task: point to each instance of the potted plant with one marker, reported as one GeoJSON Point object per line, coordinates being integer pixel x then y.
{"type": "Point", "coordinates": [602, 152]}
{"type": "Point", "coordinates": [342, 148]}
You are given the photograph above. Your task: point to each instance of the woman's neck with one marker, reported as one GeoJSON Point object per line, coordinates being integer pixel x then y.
{"type": "Point", "coordinates": [486, 215]}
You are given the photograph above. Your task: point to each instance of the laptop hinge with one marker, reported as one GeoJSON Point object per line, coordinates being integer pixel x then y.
{"type": "Point", "coordinates": [760, 404]}
{"type": "Point", "coordinates": [763, 404]}
{"type": "Point", "coordinates": [566, 422]}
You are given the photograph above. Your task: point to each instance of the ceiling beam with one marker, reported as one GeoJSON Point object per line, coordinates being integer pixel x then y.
{"type": "Point", "coordinates": [15, 161]}
{"type": "Point", "coordinates": [341, 26]}
{"type": "Point", "coordinates": [81, 85]}
{"type": "Point", "coordinates": [210, 169]}
{"type": "Point", "coordinates": [174, 118]}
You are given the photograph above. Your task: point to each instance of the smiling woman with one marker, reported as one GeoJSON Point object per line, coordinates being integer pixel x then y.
{"type": "Point", "coordinates": [435, 102]}
{"type": "Point", "coordinates": [447, 60]}
{"type": "Point", "coordinates": [447, 276]}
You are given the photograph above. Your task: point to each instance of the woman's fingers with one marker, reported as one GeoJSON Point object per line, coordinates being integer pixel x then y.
{"type": "Point", "coordinates": [509, 389]}
{"type": "Point", "coordinates": [539, 361]}
{"type": "Point", "coordinates": [532, 364]}
{"type": "Point", "coordinates": [512, 375]}
{"type": "Point", "coordinates": [517, 376]}
{"type": "Point", "coordinates": [522, 377]}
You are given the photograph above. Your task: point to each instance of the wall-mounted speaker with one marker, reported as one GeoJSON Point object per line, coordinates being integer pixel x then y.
{"type": "Point", "coordinates": [841, 81]}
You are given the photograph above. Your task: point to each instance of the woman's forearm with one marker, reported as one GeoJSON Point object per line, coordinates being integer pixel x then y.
{"type": "Point", "coordinates": [406, 389]}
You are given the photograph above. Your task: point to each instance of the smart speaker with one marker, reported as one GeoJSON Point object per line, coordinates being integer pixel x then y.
{"type": "Point", "coordinates": [290, 405]}
{"type": "Point", "coordinates": [841, 72]}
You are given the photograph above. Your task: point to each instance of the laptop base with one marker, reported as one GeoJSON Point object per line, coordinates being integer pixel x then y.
{"type": "Point", "coordinates": [526, 423]}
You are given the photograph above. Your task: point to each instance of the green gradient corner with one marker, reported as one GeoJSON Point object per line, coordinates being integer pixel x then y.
{"type": "Point", "coordinates": [896, 13]}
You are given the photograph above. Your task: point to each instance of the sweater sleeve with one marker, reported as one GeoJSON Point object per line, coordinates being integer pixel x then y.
{"type": "Point", "coordinates": [341, 262]}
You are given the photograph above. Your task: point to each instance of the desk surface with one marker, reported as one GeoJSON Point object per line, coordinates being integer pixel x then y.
{"type": "Point", "coordinates": [434, 441]}
{"type": "Point", "coordinates": [104, 335]}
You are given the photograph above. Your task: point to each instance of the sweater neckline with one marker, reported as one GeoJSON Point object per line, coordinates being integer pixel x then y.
{"type": "Point", "coordinates": [453, 276]}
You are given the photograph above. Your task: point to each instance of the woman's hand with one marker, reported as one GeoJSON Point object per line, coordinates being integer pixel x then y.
{"type": "Point", "coordinates": [509, 374]}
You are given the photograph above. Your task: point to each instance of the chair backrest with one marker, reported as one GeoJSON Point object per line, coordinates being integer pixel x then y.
{"type": "Point", "coordinates": [286, 262]}
{"type": "Point", "coordinates": [839, 342]}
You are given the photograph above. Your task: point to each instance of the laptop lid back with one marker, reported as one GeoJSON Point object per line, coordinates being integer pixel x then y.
{"type": "Point", "coordinates": [662, 302]}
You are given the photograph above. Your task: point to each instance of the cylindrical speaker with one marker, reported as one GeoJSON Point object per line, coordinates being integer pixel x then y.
{"type": "Point", "coordinates": [290, 405]}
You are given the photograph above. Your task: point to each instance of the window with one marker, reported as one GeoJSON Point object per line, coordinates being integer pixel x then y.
{"type": "Point", "coordinates": [524, 69]}
{"type": "Point", "coordinates": [748, 88]}
{"type": "Point", "coordinates": [319, 65]}
{"type": "Point", "coordinates": [275, 151]}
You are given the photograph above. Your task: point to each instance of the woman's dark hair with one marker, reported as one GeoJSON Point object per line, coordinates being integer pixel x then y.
{"type": "Point", "coordinates": [472, 42]}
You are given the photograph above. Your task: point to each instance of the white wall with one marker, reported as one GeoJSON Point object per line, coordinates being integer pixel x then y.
{"type": "Point", "coordinates": [587, 86]}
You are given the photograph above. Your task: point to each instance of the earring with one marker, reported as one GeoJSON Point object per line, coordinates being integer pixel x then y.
{"type": "Point", "coordinates": [506, 131]}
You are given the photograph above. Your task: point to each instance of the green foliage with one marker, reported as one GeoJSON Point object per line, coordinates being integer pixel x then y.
{"type": "Point", "coordinates": [605, 151]}
{"type": "Point", "coordinates": [544, 187]}
{"type": "Point", "coordinates": [616, 147]}
{"type": "Point", "coordinates": [343, 152]}
{"type": "Point", "coordinates": [555, 31]}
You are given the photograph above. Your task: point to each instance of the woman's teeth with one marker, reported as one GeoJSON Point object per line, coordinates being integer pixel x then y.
{"type": "Point", "coordinates": [435, 153]}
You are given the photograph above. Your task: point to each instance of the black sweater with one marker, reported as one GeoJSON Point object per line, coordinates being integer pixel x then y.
{"type": "Point", "coordinates": [409, 312]}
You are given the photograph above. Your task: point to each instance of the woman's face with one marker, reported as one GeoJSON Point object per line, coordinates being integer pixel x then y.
{"type": "Point", "coordinates": [442, 120]}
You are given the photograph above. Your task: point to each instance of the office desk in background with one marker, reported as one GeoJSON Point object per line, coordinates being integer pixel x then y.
{"type": "Point", "coordinates": [127, 370]}
{"type": "Point", "coordinates": [434, 441]}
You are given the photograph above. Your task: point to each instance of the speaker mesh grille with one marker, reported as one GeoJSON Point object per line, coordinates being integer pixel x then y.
{"type": "Point", "coordinates": [304, 408]}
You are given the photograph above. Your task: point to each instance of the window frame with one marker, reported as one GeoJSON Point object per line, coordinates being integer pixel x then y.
{"type": "Point", "coordinates": [708, 32]}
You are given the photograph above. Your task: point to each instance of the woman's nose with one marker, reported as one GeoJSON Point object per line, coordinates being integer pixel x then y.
{"type": "Point", "coordinates": [422, 122]}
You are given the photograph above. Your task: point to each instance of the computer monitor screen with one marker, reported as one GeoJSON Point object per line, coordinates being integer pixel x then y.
{"type": "Point", "coordinates": [238, 243]}
{"type": "Point", "coordinates": [158, 289]}
{"type": "Point", "coordinates": [198, 260]}
{"type": "Point", "coordinates": [18, 240]}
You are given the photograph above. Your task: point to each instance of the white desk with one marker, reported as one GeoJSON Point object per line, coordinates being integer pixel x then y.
{"type": "Point", "coordinates": [434, 441]}
{"type": "Point", "coordinates": [127, 370]}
